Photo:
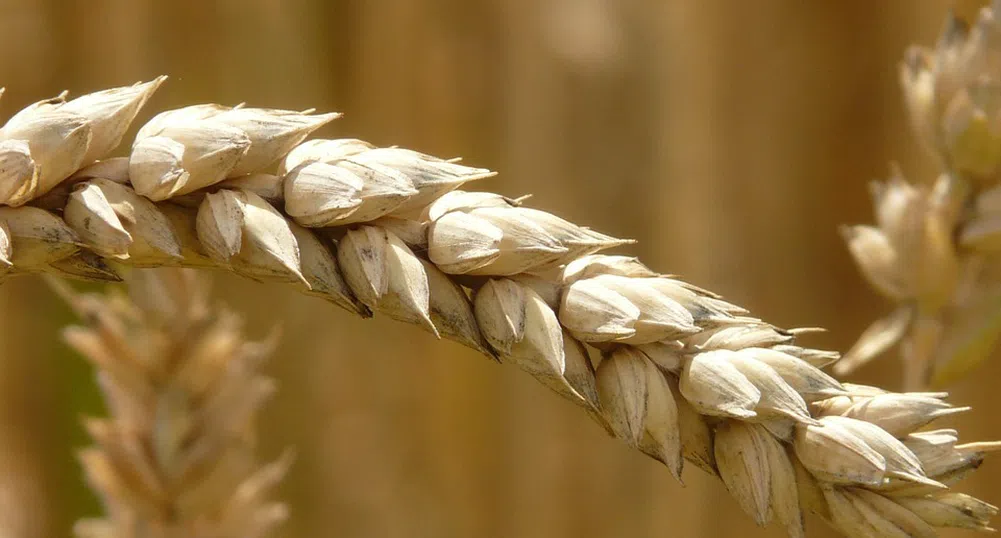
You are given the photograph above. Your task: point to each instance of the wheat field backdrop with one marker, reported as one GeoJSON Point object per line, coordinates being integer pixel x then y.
{"type": "Point", "coordinates": [730, 139]}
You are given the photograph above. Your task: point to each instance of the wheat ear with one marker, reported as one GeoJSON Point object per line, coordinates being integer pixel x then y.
{"type": "Point", "coordinates": [934, 250]}
{"type": "Point", "coordinates": [176, 457]}
{"type": "Point", "coordinates": [669, 368]}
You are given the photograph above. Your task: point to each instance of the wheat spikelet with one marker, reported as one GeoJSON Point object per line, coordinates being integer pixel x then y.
{"type": "Point", "coordinates": [176, 457]}
{"type": "Point", "coordinates": [669, 368]}
{"type": "Point", "coordinates": [933, 251]}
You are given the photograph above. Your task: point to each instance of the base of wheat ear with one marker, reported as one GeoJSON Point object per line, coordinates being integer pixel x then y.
{"type": "Point", "coordinates": [669, 368]}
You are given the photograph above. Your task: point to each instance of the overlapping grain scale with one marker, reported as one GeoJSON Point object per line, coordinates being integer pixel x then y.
{"type": "Point", "coordinates": [756, 469]}
{"type": "Point", "coordinates": [176, 456]}
{"type": "Point", "coordinates": [116, 222]}
{"type": "Point", "coordinates": [858, 512]}
{"type": "Point", "coordinates": [951, 509]}
{"type": "Point", "coordinates": [486, 234]}
{"type": "Point", "coordinates": [386, 276]}
{"type": "Point", "coordinates": [183, 150]}
{"type": "Point", "coordinates": [36, 239]}
{"type": "Point", "coordinates": [47, 243]}
{"type": "Point", "coordinates": [33, 240]}
{"type": "Point", "coordinates": [943, 458]}
{"type": "Point", "coordinates": [338, 182]}
{"type": "Point", "coordinates": [241, 231]}
{"type": "Point", "coordinates": [899, 414]}
{"type": "Point", "coordinates": [45, 143]}
{"type": "Point", "coordinates": [894, 487]}
{"type": "Point", "coordinates": [523, 330]}
{"type": "Point", "coordinates": [605, 300]}
{"type": "Point", "coordinates": [100, 205]}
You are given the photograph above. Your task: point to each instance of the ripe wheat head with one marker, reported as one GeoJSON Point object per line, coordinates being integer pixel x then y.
{"type": "Point", "coordinates": [671, 369]}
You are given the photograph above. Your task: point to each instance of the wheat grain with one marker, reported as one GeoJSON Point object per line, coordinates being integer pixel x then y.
{"type": "Point", "coordinates": [176, 457]}
{"type": "Point", "coordinates": [934, 249]}
{"type": "Point", "coordinates": [677, 372]}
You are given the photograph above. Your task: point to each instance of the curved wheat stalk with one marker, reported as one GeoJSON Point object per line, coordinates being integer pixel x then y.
{"type": "Point", "coordinates": [934, 250]}
{"type": "Point", "coordinates": [669, 368]}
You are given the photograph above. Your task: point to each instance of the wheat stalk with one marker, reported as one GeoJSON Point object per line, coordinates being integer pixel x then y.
{"type": "Point", "coordinates": [671, 369]}
{"type": "Point", "coordinates": [176, 457]}
{"type": "Point", "coordinates": [934, 250]}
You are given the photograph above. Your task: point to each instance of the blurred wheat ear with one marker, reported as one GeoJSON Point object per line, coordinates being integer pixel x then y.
{"type": "Point", "coordinates": [935, 250]}
{"type": "Point", "coordinates": [176, 457]}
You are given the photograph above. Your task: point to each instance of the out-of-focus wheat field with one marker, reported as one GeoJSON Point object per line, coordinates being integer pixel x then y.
{"type": "Point", "coordinates": [730, 138]}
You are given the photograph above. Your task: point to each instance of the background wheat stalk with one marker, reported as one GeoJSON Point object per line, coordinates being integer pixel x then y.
{"type": "Point", "coordinates": [934, 250]}
{"type": "Point", "coordinates": [671, 369]}
{"type": "Point", "coordinates": [176, 458]}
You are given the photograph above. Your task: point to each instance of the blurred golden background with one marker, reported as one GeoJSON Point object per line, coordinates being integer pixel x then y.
{"type": "Point", "coordinates": [730, 138]}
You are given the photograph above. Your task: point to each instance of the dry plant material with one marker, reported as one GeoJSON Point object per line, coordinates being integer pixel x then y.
{"type": "Point", "coordinates": [176, 458]}
{"type": "Point", "coordinates": [934, 250]}
{"type": "Point", "coordinates": [671, 369]}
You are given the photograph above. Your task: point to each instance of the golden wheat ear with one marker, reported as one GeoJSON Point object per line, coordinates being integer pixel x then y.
{"type": "Point", "coordinates": [934, 251]}
{"type": "Point", "coordinates": [669, 368]}
{"type": "Point", "coordinates": [176, 457]}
